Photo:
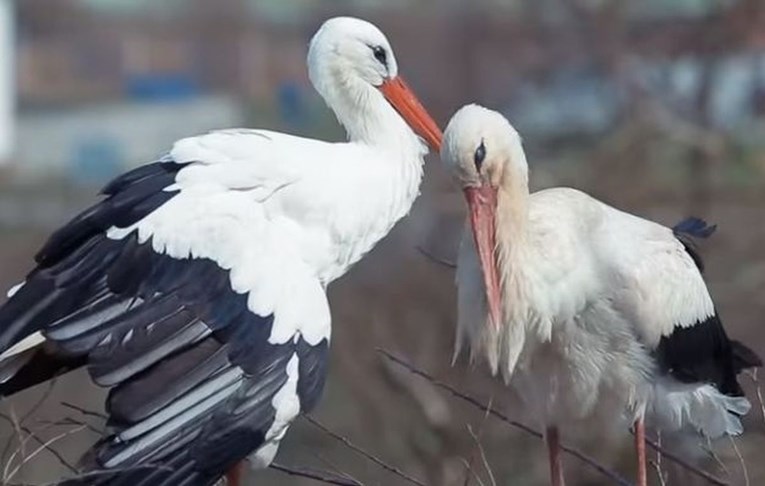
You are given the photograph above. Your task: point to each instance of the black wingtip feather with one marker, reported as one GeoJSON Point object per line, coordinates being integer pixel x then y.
{"type": "Point", "coordinates": [695, 227]}
{"type": "Point", "coordinates": [688, 231]}
{"type": "Point", "coordinates": [42, 367]}
{"type": "Point", "coordinates": [703, 353]}
{"type": "Point", "coordinates": [744, 358]}
{"type": "Point", "coordinates": [130, 198]}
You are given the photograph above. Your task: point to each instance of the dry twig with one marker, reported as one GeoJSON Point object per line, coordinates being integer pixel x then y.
{"type": "Point", "coordinates": [484, 459]}
{"type": "Point", "coordinates": [469, 463]}
{"type": "Point", "coordinates": [758, 390]}
{"type": "Point", "coordinates": [45, 446]}
{"type": "Point", "coordinates": [345, 441]}
{"type": "Point", "coordinates": [657, 463]}
{"type": "Point", "coordinates": [712, 479]}
{"type": "Point", "coordinates": [430, 256]}
{"type": "Point", "coordinates": [529, 430]}
{"type": "Point", "coordinates": [315, 475]}
{"type": "Point", "coordinates": [744, 470]}
{"type": "Point", "coordinates": [483, 407]}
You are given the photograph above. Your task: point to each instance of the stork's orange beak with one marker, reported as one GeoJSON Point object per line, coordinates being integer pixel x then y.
{"type": "Point", "coordinates": [482, 205]}
{"type": "Point", "coordinates": [411, 110]}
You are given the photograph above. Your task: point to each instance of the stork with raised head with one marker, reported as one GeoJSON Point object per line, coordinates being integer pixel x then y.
{"type": "Point", "coordinates": [195, 290]}
{"type": "Point", "coordinates": [585, 309]}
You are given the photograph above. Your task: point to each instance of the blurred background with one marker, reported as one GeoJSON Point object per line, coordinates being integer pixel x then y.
{"type": "Point", "coordinates": [657, 107]}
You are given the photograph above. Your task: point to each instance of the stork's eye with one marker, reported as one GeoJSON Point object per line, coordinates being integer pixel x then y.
{"type": "Point", "coordinates": [480, 154]}
{"type": "Point", "coordinates": [380, 55]}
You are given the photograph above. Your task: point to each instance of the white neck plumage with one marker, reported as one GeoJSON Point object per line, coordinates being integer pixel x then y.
{"type": "Point", "coordinates": [367, 116]}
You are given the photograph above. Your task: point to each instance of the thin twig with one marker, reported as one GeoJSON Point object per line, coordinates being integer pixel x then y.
{"type": "Point", "coordinates": [685, 464]}
{"type": "Point", "coordinates": [709, 449]}
{"type": "Point", "coordinates": [758, 391]}
{"type": "Point", "coordinates": [40, 402]}
{"type": "Point", "coordinates": [22, 442]}
{"type": "Point", "coordinates": [574, 452]}
{"type": "Point", "coordinates": [479, 447]}
{"type": "Point", "coordinates": [434, 258]}
{"type": "Point", "coordinates": [53, 451]}
{"type": "Point", "coordinates": [484, 459]}
{"type": "Point", "coordinates": [84, 411]}
{"type": "Point", "coordinates": [75, 422]}
{"type": "Point", "coordinates": [740, 459]}
{"type": "Point", "coordinates": [657, 463]}
{"type": "Point", "coordinates": [315, 475]}
{"type": "Point", "coordinates": [335, 469]}
{"type": "Point", "coordinates": [470, 471]}
{"type": "Point", "coordinates": [362, 452]}
{"type": "Point", "coordinates": [483, 407]}
{"type": "Point", "coordinates": [43, 447]}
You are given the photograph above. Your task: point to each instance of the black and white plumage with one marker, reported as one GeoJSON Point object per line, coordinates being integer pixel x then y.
{"type": "Point", "coordinates": [195, 290]}
{"type": "Point", "coordinates": [588, 311]}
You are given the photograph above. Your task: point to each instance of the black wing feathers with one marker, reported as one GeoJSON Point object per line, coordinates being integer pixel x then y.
{"type": "Point", "coordinates": [126, 204]}
{"type": "Point", "coordinates": [688, 231]}
{"type": "Point", "coordinates": [192, 372]}
{"type": "Point", "coordinates": [702, 352]}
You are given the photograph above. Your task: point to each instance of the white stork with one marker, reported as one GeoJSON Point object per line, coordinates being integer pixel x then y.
{"type": "Point", "coordinates": [195, 290]}
{"type": "Point", "coordinates": [586, 310]}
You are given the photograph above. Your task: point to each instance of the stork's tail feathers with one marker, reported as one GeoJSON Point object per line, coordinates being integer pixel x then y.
{"type": "Point", "coordinates": [700, 407]}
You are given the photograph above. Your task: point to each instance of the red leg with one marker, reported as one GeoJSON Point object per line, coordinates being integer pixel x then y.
{"type": "Point", "coordinates": [553, 451]}
{"type": "Point", "coordinates": [642, 475]}
{"type": "Point", "coordinates": [235, 473]}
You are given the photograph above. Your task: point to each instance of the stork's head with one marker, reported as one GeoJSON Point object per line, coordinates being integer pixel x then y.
{"type": "Point", "coordinates": [484, 153]}
{"type": "Point", "coordinates": [346, 53]}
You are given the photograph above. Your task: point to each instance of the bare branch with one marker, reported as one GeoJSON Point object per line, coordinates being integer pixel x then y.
{"type": "Point", "coordinates": [470, 472]}
{"type": "Point", "coordinates": [484, 459]}
{"type": "Point", "coordinates": [315, 475]}
{"type": "Point", "coordinates": [44, 446]}
{"type": "Point", "coordinates": [685, 464]}
{"type": "Point", "coordinates": [504, 418]}
{"type": "Point", "coordinates": [744, 469]}
{"type": "Point", "coordinates": [657, 463]}
{"type": "Point", "coordinates": [758, 390]}
{"type": "Point", "coordinates": [570, 450]}
{"type": "Point", "coordinates": [529, 430]}
{"type": "Point", "coordinates": [84, 411]}
{"type": "Point", "coordinates": [53, 451]}
{"type": "Point", "coordinates": [333, 467]}
{"type": "Point", "coordinates": [345, 441]}
{"type": "Point", "coordinates": [430, 256]}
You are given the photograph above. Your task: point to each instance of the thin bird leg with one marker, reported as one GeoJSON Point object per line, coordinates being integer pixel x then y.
{"type": "Point", "coordinates": [642, 475]}
{"type": "Point", "coordinates": [553, 451]}
{"type": "Point", "coordinates": [234, 474]}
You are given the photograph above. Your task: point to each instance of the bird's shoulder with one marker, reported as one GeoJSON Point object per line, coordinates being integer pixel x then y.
{"type": "Point", "coordinates": [653, 280]}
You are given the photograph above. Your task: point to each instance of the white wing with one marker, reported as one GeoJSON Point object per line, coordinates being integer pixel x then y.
{"type": "Point", "coordinates": [654, 281]}
{"type": "Point", "coordinates": [186, 290]}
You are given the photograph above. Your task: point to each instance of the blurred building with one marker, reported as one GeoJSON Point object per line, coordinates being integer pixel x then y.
{"type": "Point", "coordinates": [559, 73]}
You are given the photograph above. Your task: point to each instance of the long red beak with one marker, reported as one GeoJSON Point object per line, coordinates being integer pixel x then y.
{"type": "Point", "coordinates": [411, 110]}
{"type": "Point", "coordinates": [482, 205]}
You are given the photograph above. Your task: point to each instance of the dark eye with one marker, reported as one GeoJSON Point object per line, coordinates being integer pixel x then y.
{"type": "Point", "coordinates": [480, 154]}
{"type": "Point", "coordinates": [380, 55]}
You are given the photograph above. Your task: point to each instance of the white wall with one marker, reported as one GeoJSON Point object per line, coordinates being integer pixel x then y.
{"type": "Point", "coordinates": [7, 77]}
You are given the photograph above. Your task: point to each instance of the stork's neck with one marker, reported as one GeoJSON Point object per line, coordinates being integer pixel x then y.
{"type": "Point", "coordinates": [512, 222]}
{"type": "Point", "coordinates": [371, 121]}
{"type": "Point", "coordinates": [368, 117]}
